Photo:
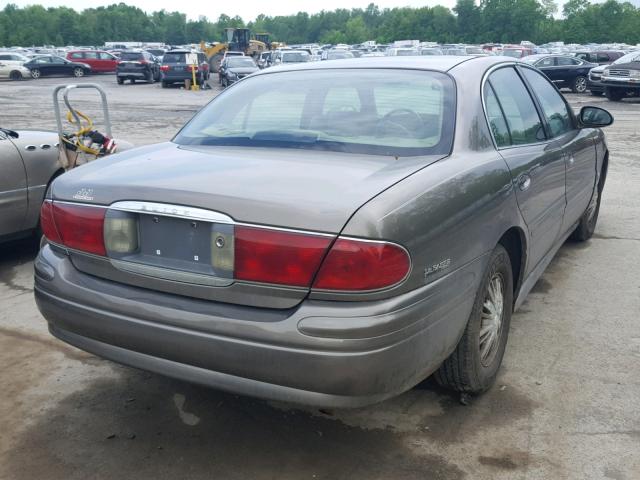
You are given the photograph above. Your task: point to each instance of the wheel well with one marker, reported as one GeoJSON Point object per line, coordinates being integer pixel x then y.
{"type": "Point", "coordinates": [603, 171]}
{"type": "Point", "coordinates": [513, 241]}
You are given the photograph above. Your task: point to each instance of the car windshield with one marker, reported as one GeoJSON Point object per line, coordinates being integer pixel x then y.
{"type": "Point", "coordinates": [407, 52]}
{"type": "Point", "coordinates": [382, 112]}
{"type": "Point", "coordinates": [512, 52]}
{"type": "Point", "coordinates": [240, 62]}
{"type": "Point", "coordinates": [339, 55]}
{"type": "Point", "coordinates": [130, 56]}
{"type": "Point", "coordinates": [174, 58]}
{"type": "Point", "coordinates": [629, 57]}
{"type": "Point", "coordinates": [295, 57]}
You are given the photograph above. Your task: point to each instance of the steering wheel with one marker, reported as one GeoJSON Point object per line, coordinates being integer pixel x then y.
{"type": "Point", "coordinates": [388, 118]}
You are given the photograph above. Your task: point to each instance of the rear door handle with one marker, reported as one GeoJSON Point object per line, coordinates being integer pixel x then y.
{"type": "Point", "coordinates": [524, 182]}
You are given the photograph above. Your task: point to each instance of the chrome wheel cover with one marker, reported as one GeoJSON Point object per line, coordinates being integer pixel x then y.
{"type": "Point", "coordinates": [491, 319]}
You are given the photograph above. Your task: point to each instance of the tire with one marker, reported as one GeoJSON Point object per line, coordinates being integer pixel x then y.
{"type": "Point", "coordinates": [148, 77]}
{"type": "Point", "coordinates": [587, 224]}
{"type": "Point", "coordinates": [579, 84]}
{"type": "Point", "coordinates": [15, 75]}
{"type": "Point", "coordinates": [474, 364]}
{"type": "Point", "coordinates": [120, 80]}
{"type": "Point", "coordinates": [164, 84]}
{"type": "Point", "coordinates": [78, 72]}
{"type": "Point", "coordinates": [596, 93]}
{"type": "Point", "coordinates": [133, 80]}
{"type": "Point", "coordinates": [214, 62]}
{"type": "Point", "coordinates": [614, 94]}
{"type": "Point", "coordinates": [35, 73]}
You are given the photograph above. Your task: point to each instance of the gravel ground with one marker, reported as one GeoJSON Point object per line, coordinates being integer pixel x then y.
{"type": "Point", "coordinates": [565, 405]}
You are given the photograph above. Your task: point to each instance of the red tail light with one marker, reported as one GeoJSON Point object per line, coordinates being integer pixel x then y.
{"type": "Point", "coordinates": [275, 256]}
{"type": "Point", "coordinates": [143, 62]}
{"type": "Point", "coordinates": [74, 226]}
{"type": "Point", "coordinates": [362, 265]}
{"type": "Point", "coordinates": [164, 68]}
{"type": "Point", "coordinates": [47, 223]}
{"type": "Point", "coordinates": [190, 68]}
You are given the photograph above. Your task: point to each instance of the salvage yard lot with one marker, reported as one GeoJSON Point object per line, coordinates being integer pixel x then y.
{"type": "Point", "coordinates": [564, 405]}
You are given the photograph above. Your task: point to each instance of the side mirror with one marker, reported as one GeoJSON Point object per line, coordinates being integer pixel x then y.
{"type": "Point", "coordinates": [595, 117]}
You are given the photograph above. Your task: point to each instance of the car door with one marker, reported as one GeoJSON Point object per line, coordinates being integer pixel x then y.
{"type": "Point", "coordinates": [93, 60]}
{"type": "Point", "coordinates": [579, 146]}
{"type": "Point", "coordinates": [5, 66]}
{"type": "Point", "coordinates": [59, 66]}
{"type": "Point", "coordinates": [108, 62]}
{"type": "Point", "coordinates": [567, 70]}
{"type": "Point", "coordinates": [13, 188]}
{"type": "Point", "coordinates": [535, 161]}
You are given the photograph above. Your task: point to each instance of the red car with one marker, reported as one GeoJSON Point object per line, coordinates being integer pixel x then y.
{"type": "Point", "coordinates": [99, 60]}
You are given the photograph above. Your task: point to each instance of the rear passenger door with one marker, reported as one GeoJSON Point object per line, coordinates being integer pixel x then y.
{"type": "Point", "coordinates": [13, 188]}
{"type": "Point", "coordinates": [536, 162]}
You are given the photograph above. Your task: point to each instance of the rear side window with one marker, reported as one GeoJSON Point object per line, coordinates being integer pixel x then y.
{"type": "Point", "coordinates": [76, 55]}
{"type": "Point", "coordinates": [174, 58]}
{"type": "Point", "coordinates": [520, 112]}
{"type": "Point", "coordinates": [554, 108]}
{"type": "Point", "coordinates": [497, 122]}
{"type": "Point", "coordinates": [6, 57]}
{"type": "Point", "coordinates": [545, 62]}
{"type": "Point", "coordinates": [603, 57]}
{"type": "Point", "coordinates": [567, 61]}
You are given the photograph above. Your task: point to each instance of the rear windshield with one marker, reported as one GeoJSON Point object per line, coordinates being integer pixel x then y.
{"type": "Point", "coordinates": [130, 56]}
{"type": "Point", "coordinates": [382, 112]}
{"type": "Point", "coordinates": [294, 57]}
{"type": "Point", "coordinates": [174, 58]}
{"type": "Point", "coordinates": [241, 62]}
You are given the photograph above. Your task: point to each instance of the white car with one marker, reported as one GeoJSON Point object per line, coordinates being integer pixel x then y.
{"type": "Point", "coordinates": [11, 66]}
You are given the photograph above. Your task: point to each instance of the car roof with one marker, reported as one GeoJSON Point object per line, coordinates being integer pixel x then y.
{"type": "Point", "coordinates": [442, 63]}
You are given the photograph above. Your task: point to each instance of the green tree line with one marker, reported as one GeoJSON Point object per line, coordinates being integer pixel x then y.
{"type": "Point", "coordinates": [469, 22]}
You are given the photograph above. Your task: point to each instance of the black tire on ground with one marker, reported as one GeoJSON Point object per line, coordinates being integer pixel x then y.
{"type": "Point", "coordinates": [214, 62]}
{"type": "Point", "coordinates": [15, 75]}
{"type": "Point", "coordinates": [78, 72]}
{"type": "Point", "coordinates": [133, 80]}
{"type": "Point", "coordinates": [614, 94]}
{"type": "Point", "coordinates": [164, 84]}
{"type": "Point", "coordinates": [596, 93]}
{"type": "Point", "coordinates": [35, 73]}
{"type": "Point", "coordinates": [474, 364]}
{"type": "Point", "coordinates": [148, 76]}
{"type": "Point", "coordinates": [589, 219]}
{"type": "Point", "coordinates": [579, 84]}
{"type": "Point", "coordinates": [120, 80]}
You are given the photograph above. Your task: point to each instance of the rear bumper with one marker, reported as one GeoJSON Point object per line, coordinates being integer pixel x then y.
{"type": "Point", "coordinates": [320, 353]}
{"type": "Point", "coordinates": [141, 74]}
{"type": "Point", "coordinates": [178, 76]}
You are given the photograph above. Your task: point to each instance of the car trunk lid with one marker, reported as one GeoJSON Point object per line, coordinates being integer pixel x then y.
{"type": "Point", "coordinates": [301, 190]}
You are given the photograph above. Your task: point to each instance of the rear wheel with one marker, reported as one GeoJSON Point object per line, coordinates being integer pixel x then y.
{"type": "Point", "coordinates": [614, 94]}
{"type": "Point", "coordinates": [148, 76]}
{"type": "Point", "coordinates": [473, 365]}
{"type": "Point", "coordinates": [579, 84]}
{"type": "Point", "coordinates": [133, 80]}
{"type": "Point", "coordinates": [78, 72]}
{"type": "Point", "coordinates": [164, 84]}
{"type": "Point", "coordinates": [120, 80]}
{"type": "Point", "coordinates": [15, 75]}
{"type": "Point", "coordinates": [35, 73]}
